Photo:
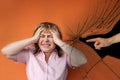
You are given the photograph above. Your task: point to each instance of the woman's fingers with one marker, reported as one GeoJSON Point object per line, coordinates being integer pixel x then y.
{"type": "Point", "coordinates": [38, 31]}
{"type": "Point", "coordinates": [55, 33]}
{"type": "Point", "coordinates": [37, 34]}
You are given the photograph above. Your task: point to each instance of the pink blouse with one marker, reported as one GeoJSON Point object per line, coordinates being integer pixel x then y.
{"type": "Point", "coordinates": [38, 69]}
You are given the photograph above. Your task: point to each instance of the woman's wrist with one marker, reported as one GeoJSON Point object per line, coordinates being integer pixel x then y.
{"type": "Point", "coordinates": [60, 43]}
{"type": "Point", "coordinates": [34, 40]}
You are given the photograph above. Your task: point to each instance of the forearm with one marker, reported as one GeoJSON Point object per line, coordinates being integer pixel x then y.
{"type": "Point", "coordinates": [77, 58]}
{"type": "Point", "coordinates": [16, 47]}
{"type": "Point", "coordinates": [114, 39]}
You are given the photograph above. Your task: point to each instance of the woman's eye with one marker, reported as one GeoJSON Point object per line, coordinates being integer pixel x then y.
{"type": "Point", "coordinates": [50, 36]}
{"type": "Point", "coordinates": [41, 36]}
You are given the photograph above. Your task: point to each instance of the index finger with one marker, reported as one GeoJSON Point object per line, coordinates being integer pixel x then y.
{"type": "Point", "coordinates": [91, 40]}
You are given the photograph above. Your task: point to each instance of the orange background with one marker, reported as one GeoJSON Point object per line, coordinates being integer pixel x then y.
{"type": "Point", "coordinates": [18, 19]}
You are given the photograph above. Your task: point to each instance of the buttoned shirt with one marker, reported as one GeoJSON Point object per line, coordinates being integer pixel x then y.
{"type": "Point", "coordinates": [38, 69]}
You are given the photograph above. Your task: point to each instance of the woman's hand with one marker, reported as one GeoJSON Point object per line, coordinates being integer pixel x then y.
{"type": "Point", "coordinates": [37, 35]}
{"type": "Point", "coordinates": [56, 36]}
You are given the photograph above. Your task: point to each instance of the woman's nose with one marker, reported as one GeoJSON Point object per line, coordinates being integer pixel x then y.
{"type": "Point", "coordinates": [46, 39]}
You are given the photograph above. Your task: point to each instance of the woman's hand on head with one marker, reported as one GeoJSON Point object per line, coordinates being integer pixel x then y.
{"type": "Point", "coordinates": [36, 36]}
{"type": "Point", "coordinates": [56, 36]}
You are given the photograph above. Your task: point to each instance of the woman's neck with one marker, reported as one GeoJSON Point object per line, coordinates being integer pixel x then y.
{"type": "Point", "coordinates": [47, 55]}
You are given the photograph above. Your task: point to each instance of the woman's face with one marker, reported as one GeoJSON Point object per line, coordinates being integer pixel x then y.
{"type": "Point", "coordinates": [46, 42]}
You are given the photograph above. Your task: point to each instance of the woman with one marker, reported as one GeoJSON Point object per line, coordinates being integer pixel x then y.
{"type": "Point", "coordinates": [50, 58]}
